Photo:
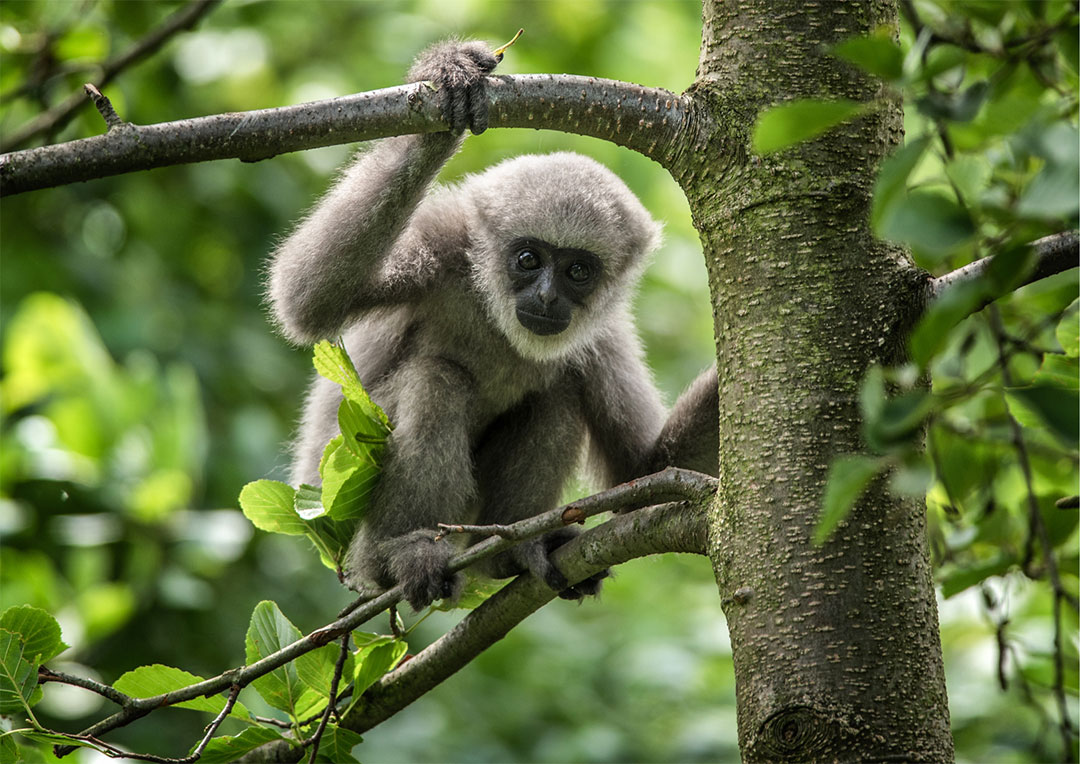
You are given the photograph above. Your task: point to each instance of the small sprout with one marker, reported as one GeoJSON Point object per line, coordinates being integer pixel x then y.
{"type": "Point", "coordinates": [498, 52]}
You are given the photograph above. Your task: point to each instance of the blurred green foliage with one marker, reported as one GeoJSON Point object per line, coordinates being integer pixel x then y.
{"type": "Point", "coordinates": [142, 385]}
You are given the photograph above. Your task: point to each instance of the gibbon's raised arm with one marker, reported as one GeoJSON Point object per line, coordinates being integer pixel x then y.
{"type": "Point", "coordinates": [335, 263]}
{"type": "Point", "coordinates": [356, 250]}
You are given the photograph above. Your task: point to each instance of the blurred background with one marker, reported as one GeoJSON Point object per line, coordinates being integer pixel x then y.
{"type": "Point", "coordinates": [143, 386]}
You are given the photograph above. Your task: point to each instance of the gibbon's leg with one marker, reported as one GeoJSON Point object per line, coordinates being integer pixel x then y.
{"type": "Point", "coordinates": [522, 466]}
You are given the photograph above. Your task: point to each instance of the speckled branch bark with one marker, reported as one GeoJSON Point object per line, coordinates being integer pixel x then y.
{"type": "Point", "coordinates": [649, 120]}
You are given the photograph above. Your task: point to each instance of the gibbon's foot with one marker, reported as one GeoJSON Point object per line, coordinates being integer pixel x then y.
{"type": "Point", "coordinates": [534, 556]}
{"type": "Point", "coordinates": [418, 562]}
{"type": "Point", "coordinates": [458, 70]}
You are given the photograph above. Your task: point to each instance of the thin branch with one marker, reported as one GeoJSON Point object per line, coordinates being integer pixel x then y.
{"type": "Point", "coordinates": [671, 484]}
{"type": "Point", "coordinates": [331, 700]}
{"type": "Point", "coordinates": [104, 107]}
{"type": "Point", "coordinates": [58, 116]}
{"type": "Point", "coordinates": [648, 120]}
{"type": "Point", "coordinates": [104, 690]}
{"type": "Point", "coordinates": [1058, 591]}
{"type": "Point", "coordinates": [1052, 254]}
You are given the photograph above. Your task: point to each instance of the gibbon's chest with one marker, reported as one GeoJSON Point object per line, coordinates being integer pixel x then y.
{"type": "Point", "coordinates": [454, 325]}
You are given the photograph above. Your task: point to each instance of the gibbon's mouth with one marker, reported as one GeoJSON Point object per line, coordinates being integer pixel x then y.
{"type": "Point", "coordinates": [540, 324]}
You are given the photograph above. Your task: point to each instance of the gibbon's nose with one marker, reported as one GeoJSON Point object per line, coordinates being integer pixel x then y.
{"type": "Point", "coordinates": [546, 290]}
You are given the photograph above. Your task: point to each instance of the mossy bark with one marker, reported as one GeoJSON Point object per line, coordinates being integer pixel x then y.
{"type": "Point", "coordinates": [837, 653]}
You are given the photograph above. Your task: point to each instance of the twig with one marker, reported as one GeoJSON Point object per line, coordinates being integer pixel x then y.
{"type": "Point", "coordinates": [1058, 592]}
{"type": "Point", "coordinates": [648, 120]}
{"type": "Point", "coordinates": [331, 701]}
{"type": "Point", "coordinates": [48, 675]}
{"type": "Point", "coordinates": [670, 485]}
{"type": "Point", "coordinates": [1052, 254]}
{"type": "Point", "coordinates": [58, 116]}
{"type": "Point", "coordinates": [104, 107]}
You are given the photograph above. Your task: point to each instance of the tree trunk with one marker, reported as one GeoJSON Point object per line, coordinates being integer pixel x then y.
{"type": "Point", "coordinates": [836, 647]}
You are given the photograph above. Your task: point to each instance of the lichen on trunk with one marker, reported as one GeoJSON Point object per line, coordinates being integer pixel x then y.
{"type": "Point", "coordinates": [836, 648]}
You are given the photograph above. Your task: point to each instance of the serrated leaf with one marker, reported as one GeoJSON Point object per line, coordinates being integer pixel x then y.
{"type": "Point", "coordinates": [268, 632]}
{"type": "Point", "coordinates": [316, 668]}
{"type": "Point", "coordinates": [18, 674]}
{"type": "Point", "coordinates": [878, 55]}
{"type": "Point", "coordinates": [337, 744]}
{"type": "Point", "coordinates": [39, 631]}
{"type": "Point", "coordinates": [333, 363]}
{"type": "Point", "coordinates": [848, 477]}
{"type": "Point", "coordinates": [364, 436]}
{"type": "Point", "coordinates": [308, 503]}
{"type": "Point", "coordinates": [1057, 408]}
{"type": "Point", "coordinates": [1068, 330]}
{"type": "Point", "coordinates": [231, 747]}
{"type": "Point", "coordinates": [898, 419]}
{"type": "Point", "coordinates": [375, 660]}
{"type": "Point", "coordinates": [790, 123]}
{"type": "Point", "coordinates": [270, 506]}
{"type": "Point", "coordinates": [156, 679]}
{"type": "Point", "coordinates": [347, 482]}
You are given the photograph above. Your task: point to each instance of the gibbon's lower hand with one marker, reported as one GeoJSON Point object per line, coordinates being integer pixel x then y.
{"type": "Point", "coordinates": [458, 70]}
{"type": "Point", "coordinates": [419, 563]}
{"type": "Point", "coordinates": [534, 556]}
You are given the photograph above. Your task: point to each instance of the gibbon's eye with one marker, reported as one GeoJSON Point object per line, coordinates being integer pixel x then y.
{"type": "Point", "coordinates": [579, 272]}
{"type": "Point", "coordinates": [528, 260]}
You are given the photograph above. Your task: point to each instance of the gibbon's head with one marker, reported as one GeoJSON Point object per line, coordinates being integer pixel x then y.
{"type": "Point", "coordinates": [559, 244]}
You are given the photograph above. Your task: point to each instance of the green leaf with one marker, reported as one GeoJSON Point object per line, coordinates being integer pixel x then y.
{"type": "Point", "coordinates": [268, 632]}
{"type": "Point", "coordinates": [899, 419]}
{"type": "Point", "coordinates": [18, 674]}
{"type": "Point", "coordinates": [316, 669]}
{"type": "Point", "coordinates": [230, 748]}
{"type": "Point", "coordinates": [270, 506]}
{"type": "Point", "coordinates": [789, 123]}
{"type": "Point", "coordinates": [333, 363]}
{"type": "Point", "coordinates": [1057, 408]}
{"type": "Point", "coordinates": [878, 55]}
{"type": "Point", "coordinates": [958, 579]}
{"type": "Point", "coordinates": [337, 744]}
{"type": "Point", "coordinates": [956, 107]}
{"type": "Point", "coordinates": [347, 481]}
{"type": "Point", "coordinates": [308, 503]}
{"type": "Point", "coordinates": [848, 477]}
{"type": "Point", "coordinates": [929, 222]}
{"type": "Point", "coordinates": [891, 183]}
{"type": "Point", "coordinates": [9, 752]}
{"type": "Point", "coordinates": [150, 681]}
{"type": "Point", "coordinates": [932, 332]}
{"type": "Point", "coordinates": [375, 659]}
{"type": "Point", "coordinates": [1059, 371]}
{"type": "Point", "coordinates": [1068, 330]}
{"type": "Point", "coordinates": [38, 630]}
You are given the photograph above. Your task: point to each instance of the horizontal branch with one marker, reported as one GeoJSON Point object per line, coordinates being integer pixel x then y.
{"type": "Point", "coordinates": [648, 120]}
{"type": "Point", "coordinates": [673, 527]}
{"type": "Point", "coordinates": [672, 484]}
{"type": "Point", "coordinates": [1052, 254]}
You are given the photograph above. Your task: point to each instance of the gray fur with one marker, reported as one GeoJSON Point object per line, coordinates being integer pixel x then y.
{"type": "Point", "coordinates": [490, 418]}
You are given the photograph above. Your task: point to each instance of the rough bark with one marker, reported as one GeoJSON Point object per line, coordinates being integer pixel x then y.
{"type": "Point", "coordinates": [836, 648]}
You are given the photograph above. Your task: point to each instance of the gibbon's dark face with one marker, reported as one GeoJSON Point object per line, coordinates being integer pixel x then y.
{"type": "Point", "coordinates": [549, 283]}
